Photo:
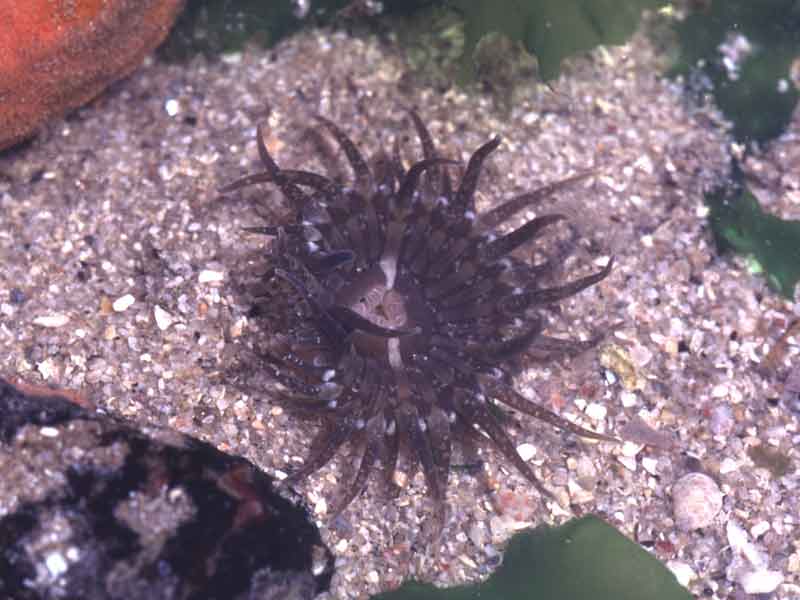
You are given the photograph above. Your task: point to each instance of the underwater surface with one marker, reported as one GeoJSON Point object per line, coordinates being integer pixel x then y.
{"type": "Point", "coordinates": [535, 271]}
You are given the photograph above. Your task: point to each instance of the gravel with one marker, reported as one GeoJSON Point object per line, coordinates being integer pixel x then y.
{"type": "Point", "coordinates": [119, 264]}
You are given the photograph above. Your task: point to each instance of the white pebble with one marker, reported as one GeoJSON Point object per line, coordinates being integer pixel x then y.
{"type": "Point", "coordinates": [163, 318]}
{"type": "Point", "coordinates": [761, 582]}
{"type": "Point", "coordinates": [208, 276]}
{"type": "Point", "coordinates": [49, 369]}
{"type": "Point", "coordinates": [628, 399]}
{"type": "Point", "coordinates": [683, 572]}
{"type": "Point", "coordinates": [759, 529]}
{"type": "Point", "coordinates": [54, 320]}
{"type": "Point", "coordinates": [737, 539]}
{"type": "Point", "coordinates": [696, 500]}
{"type": "Point", "coordinates": [321, 506]}
{"type": "Point", "coordinates": [719, 391]}
{"type": "Point", "coordinates": [172, 107]}
{"type": "Point", "coordinates": [50, 432]}
{"type": "Point", "coordinates": [650, 465]}
{"type": "Point", "coordinates": [631, 449]}
{"type": "Point", "coordinates": [56, 564]}
{"type": "Point", "coordinates": [123, 303]}
{"type": "Point", "coordinates": [596, 411]}
{"type": "Point", "coordinates": [526, 451]}
{"type": "Point", "coordinates": [577, 494]}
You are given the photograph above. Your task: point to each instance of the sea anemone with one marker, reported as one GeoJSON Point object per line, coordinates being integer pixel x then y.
{"type": "Point", "coordinates": [408, 312]}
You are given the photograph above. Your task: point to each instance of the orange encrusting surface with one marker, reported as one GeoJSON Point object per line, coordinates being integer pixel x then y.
{"type": "Point", "coordinates": [58, 54]}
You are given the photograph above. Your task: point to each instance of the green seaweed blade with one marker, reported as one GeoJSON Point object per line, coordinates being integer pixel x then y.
{"type": "Point", "coordinates": [739, 223]}
{"type": "Point", "coordinates": [584, 559]}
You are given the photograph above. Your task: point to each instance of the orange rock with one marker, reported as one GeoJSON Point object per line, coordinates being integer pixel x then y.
{"type": "Point", "coordinates": [56, 55]}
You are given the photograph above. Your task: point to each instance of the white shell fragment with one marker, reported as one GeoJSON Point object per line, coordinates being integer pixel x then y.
{"type": "Point", "coordinates": [682, 571]}
{"type": "Point", "coordinates": [753, 575]}
{"type": "Point", "coordinates": [209, 276]}
{"type": "Point", "coordinates": [54, 320]}
{"type": "Point", "coordinates": [123, 303]}
{"type": "Point", "coordinates": [162, 317]}
{"type": "Point", "coordinates": [526, 451]}
{"type": "Point", "coordinates": [761, 581]}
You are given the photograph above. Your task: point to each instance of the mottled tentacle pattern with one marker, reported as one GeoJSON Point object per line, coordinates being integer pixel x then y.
{"type": "Point", "coordinates": [411, 310]}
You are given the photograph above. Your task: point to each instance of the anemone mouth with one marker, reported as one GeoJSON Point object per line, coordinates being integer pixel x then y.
{"type": "Point", "coordinates": [388, 308]}
{"type": "Point", "coordinates": [415, 309]}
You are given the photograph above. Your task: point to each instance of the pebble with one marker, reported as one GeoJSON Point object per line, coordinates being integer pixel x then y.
{"type": "Point", "coordinates": [321, 506]}
{"type": "Point", "coordinates": [596, 411]}
{"type": "Point", "coordinates": [49, 369]}
{"type": "Point", "coordinates": [719, 391]}
{"type": "Point", "coordinates": [123, 303]}
{"type": "Point", "coordinates": [761, 581]}
{"type": "Point", "coordinates": [628, 399]}
{"type": "Point", "coordinates": [728, 465]}
{"type": "Point", "coordinates": [54, 320]}
{"type": "Point", "coordinates": [208, 276]}
{"type": "Point", "coordinates": [683, 572]}
{"type": "Point", "coordinates": [477, 534]}
{"type": "Point", "coordinates": [577, 494]}
{"type": "Point", "coordinates": [162, 317]}
{"type": "Point", "coordinates": [759, 529]}
{"type": "Point", "coordinates": [737, 540]}
{"type": "Point", "coordinates": [650, 465]}
{"type": "Point", "coordinates": [631, 449]}
{"type": "Point", "coordinates": [526, 451]}
{"type": "Point", "coordinates": [696, 500]}
{"type": "Point", "coordinates": [56, 564]}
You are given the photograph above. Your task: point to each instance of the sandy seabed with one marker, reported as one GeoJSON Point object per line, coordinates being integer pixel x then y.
{"type": "Point", "coordinates": [119, 260]}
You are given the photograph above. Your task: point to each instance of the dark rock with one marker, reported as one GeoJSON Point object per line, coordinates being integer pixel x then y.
{"type": "Point", "coordinates": [91, 508]}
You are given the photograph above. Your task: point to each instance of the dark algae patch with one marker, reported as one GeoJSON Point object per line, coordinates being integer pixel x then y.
{"type": "Point", "coordinates": [212, 27]}
{"type": "Point", "coordinates": [550, 29]}
{"type": "Point", "coordinates": [775, 461]}
{"type": "Point", "coordinates": [741, 52]}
